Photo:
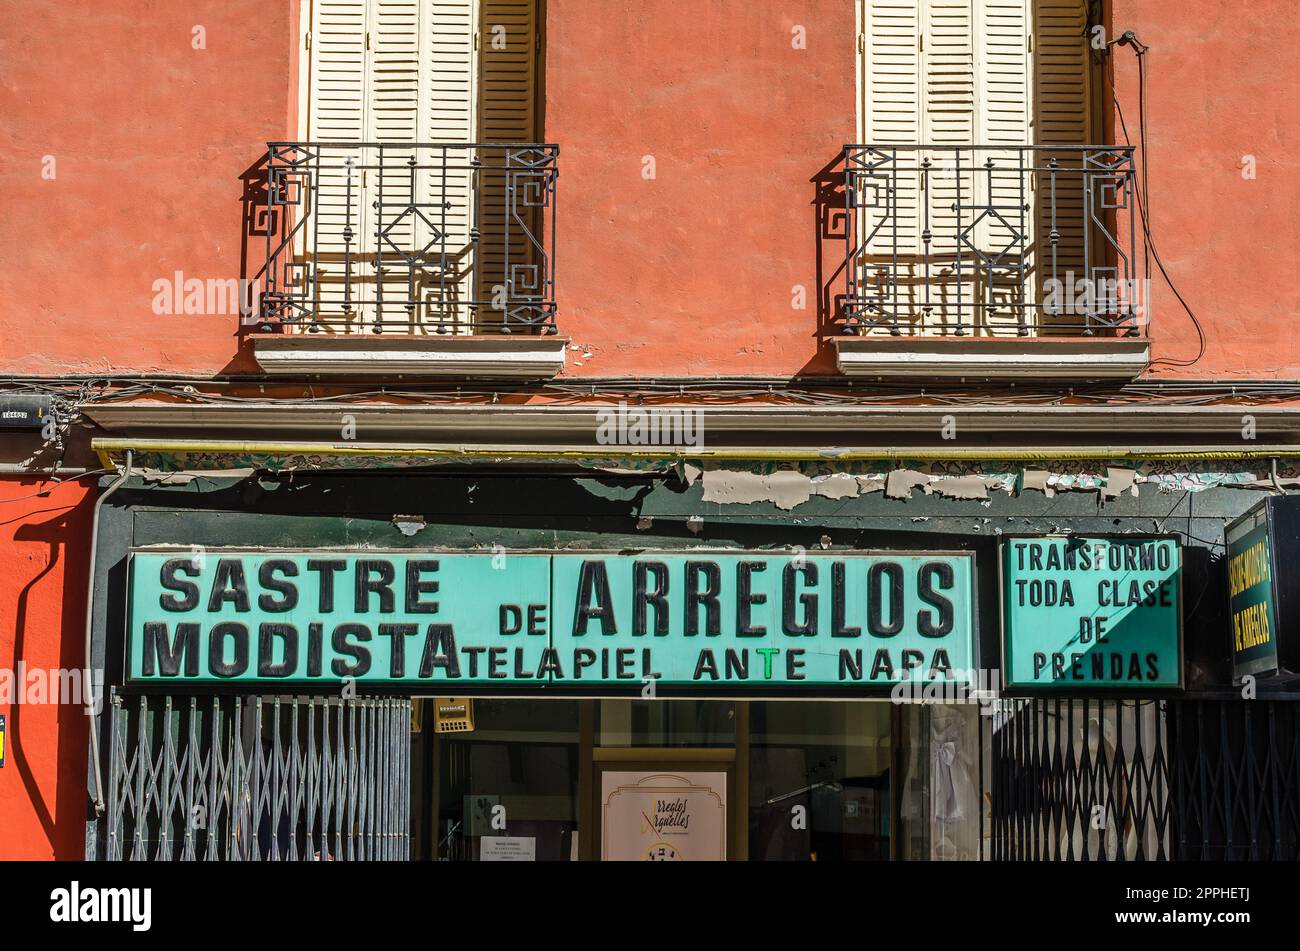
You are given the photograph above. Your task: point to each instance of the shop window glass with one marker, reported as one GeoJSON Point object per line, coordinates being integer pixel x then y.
{"type": "Point", "coordinates": [666, 723]}
{"type": "Point", "coordinates": [509, 788]}
{"type": "Point", "coordinates": [939, 768]}
{"type": "Point", "coordinates": [819, 780]}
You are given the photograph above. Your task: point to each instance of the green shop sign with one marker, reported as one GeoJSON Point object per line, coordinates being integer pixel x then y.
{"type": "Point", "coordinates": [1251, 597]}
{"type": "Point", "coordinates": [1263, 593]}
{"type": "Point", "coordinates": [1091, 612]}
{"type": "Point", "coordinates": [526, 620]}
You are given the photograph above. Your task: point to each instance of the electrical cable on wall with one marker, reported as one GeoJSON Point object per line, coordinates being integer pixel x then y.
{"type": "Point", "coordinates": [1150, 251]}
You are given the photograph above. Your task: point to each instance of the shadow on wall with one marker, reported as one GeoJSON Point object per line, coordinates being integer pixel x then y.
{"type": "Point", "coordinates": [258, 223]}
{"type": "Point", "coordinates": [63, 821]}
{"type": "Point", "coordinates": [830, 228]}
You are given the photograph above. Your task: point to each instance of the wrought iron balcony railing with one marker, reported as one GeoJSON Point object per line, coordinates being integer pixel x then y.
{"type": "Point", "coordinates": [393, 237]}
{"type": "Point", "coordinates": [990, 240]}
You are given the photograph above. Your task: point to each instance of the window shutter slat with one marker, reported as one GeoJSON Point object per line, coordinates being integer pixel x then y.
{"type": "Point", "coordinates": [961, 72]}
{"type": "Point", "coordinates": [507, 114]}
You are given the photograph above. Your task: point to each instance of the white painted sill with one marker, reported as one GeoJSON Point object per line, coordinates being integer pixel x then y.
{"type": "Point", "coordinates": [495, 356]}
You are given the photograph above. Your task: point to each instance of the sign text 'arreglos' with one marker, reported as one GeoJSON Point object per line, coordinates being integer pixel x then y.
{"type": "Point", "coordinates": [537, 619]}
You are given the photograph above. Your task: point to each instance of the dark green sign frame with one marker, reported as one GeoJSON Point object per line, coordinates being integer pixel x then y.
{"type": "Point", "coordinates": [522, 621]}
{"type": "Point", "coordinates": [1253, 611]}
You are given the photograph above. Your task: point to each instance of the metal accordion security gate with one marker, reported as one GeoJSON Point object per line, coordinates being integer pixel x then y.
{"type": "Point", "coordinates": [1141, 780]}
{"type": "Point", "coordinates": [239, 778]}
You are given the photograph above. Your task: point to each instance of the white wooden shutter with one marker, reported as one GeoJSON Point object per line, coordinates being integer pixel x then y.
{"type": "Point", "coordinates": [392, 114]}
{"type": "Point", "coordinates": [340, 105]}
{"type": "Point", "coordinates": [447, 109]}
{"type": "Point", "coordinates": [948, 117]}
{"type": "Point", "coordinates": [1005, 238]}
{"type": "Point", "coordinates": [394, 71]}
{"type": "Point", "coordinates": [507, 114]}
{"type": "Point", "coordinates": [336, 113]}
{"type": "Point", "coordinates": [890, 96]}
{"type": "Point", "coordinates": [1062, 116]}
{"type": "Point", "coordinates": [967, 72]}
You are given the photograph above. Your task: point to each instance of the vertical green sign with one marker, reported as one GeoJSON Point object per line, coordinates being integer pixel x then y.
{"type": "Point", "coordinates": [1091, 612]}
{"type": "Point", "coordinates": [1251, 596]}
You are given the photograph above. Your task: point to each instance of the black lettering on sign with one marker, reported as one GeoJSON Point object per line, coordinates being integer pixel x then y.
{"type": "Point", "coordinates": [808, 626]}
{"type": "Point", "coordinates": [511, 619]}
{"type": "Point", "coordinates": [707, 595]}
{"type": "Point", "coordinates": [624, 658]}
{"type": "Point", "coordinates": [643, 595]}
{"type": "Point", "coordinates": [416, 586]}
{"type": "Point", "coordinates": [706, 665]}
{"type": "Point", "coordinates": [839, 609]}
{"type": "Point", "coordinates": [794, 664]}
{"type": "Point", "coordinates": [882, 666]}
{"type": "Point", "coordinates": [550, 664]}
{"type": "Point", "coordinates": [397, 634]}
{"type": "Point", "coordinates": [471, 654]}
{"type": "Point", "coordinates": [935, 575]}
{"type": "Point", "coordinates": [360, 655]}
{"type": "Point", "coordinates": [229, 585]}
{"type": "Point", "coordinates": [439, 651]}
{"type": "Point", "coordinates": [594, 600]}
{"type": "Point", "coordinates": [736, 664]}
{"type": "Point", "coordinates": [288, 591]}
{"type": "Point", "coordinates": [892, 574]}
{"type": "Point", "coordinates": [745, 598]}
{"type": "Point", "coordinates": [381, 585]}
{"type": "Point", "coordinates": [940, 665]}
{"type": "Point", "coordinates": [315, 637]}
{"type": "Point", "coordinates": [171, 653]}
{"type": "Point", "coordinates": [188, 589]}
{"type": "Point", "coordinates": [267, 634]}
{"type": "Point", "coordinates": [326, 567]}
{"type": "Point", "coordinates": [850, 664]}
{"type": "Point", "coordinates": [583, 658]}
{"type": "Point", "coordinates": [238, 634]}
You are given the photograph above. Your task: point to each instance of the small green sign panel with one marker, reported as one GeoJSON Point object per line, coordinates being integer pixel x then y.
{"type": "Point", "coordinates": [531, 620]}
{"type": "Point", "coordinates": [1091, 612]}
{"type": "Point", "coordinates": [1252, 598]}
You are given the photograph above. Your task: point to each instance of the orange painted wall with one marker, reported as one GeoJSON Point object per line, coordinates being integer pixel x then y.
{"type": "Point", "coordinates": [691, 273]}
{"type": "Point", "coordinates": [1221, 80]}
{"type": "Point", "coordinates": [44, 560]}
{"type": "Point", "coordinates": [149, 138]}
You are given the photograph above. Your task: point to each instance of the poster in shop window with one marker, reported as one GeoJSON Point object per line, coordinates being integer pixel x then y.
{"type": "Point", "coordinates": [663, 817]}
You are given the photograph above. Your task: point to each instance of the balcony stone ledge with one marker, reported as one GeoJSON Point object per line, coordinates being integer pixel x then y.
{"type": "Point", "coordinates": [521, 356]}
{"type": "Point", "coordinates": [992, 358]}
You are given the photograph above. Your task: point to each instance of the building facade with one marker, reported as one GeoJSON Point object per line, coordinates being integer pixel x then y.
{"type": "Point", "coordinates": [574, 430]}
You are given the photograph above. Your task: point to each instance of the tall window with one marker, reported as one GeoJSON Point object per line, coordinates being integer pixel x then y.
{"type": "Point", "coordinates": [947, 90]}
{"type": "Point", "coordinates": [421, 228]}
